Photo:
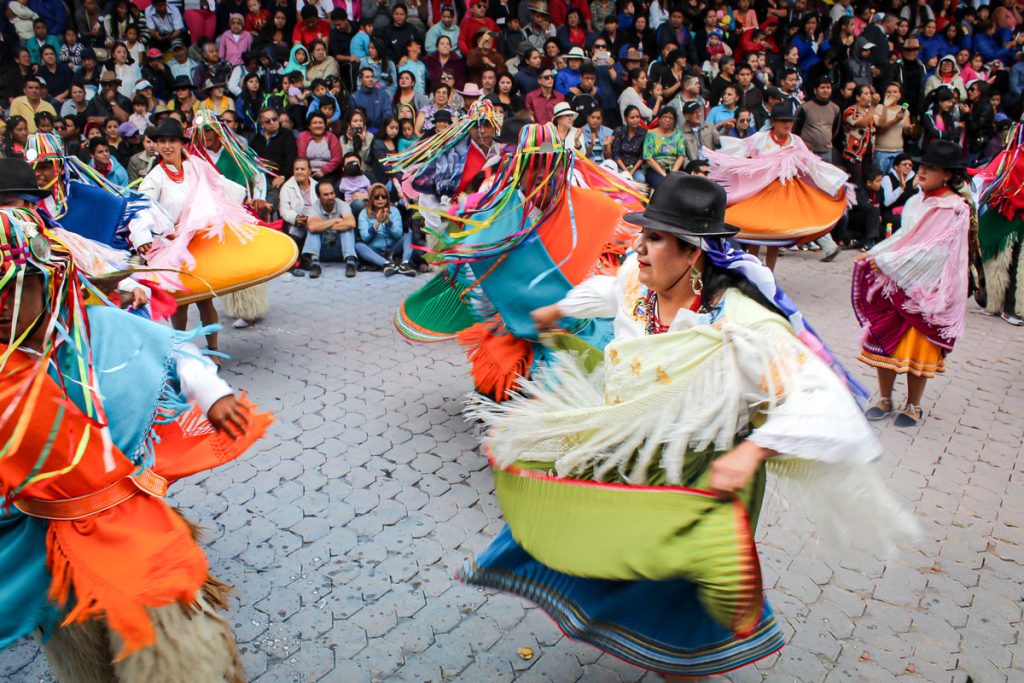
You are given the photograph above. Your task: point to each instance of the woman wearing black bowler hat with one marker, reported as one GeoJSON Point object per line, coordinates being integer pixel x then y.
{"type": "Point", "coordinates": [910, 291]}
{"type": "Point", "coordinates": [618, 471]}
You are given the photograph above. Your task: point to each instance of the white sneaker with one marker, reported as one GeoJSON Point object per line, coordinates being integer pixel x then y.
{"type": "Point", "coordinates": [240, 324]}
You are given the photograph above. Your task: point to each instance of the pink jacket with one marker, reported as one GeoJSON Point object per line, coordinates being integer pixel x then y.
{"type": "Point", "coordinates": [230, 50]}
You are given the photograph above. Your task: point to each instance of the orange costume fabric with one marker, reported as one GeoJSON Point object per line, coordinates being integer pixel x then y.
{"type": "Point", "coordinates": [110, 562]}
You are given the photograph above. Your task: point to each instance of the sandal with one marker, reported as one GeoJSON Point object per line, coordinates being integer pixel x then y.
{"type": "Point", "coordinates": [910, 416]}
{"type": "Point", "coordinates": [881, 410]}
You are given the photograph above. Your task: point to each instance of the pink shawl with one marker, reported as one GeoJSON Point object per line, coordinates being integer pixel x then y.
{"type": "Point", "coordinates": [215, 205]}
{"type": "Point", "coordinates": [744, 170]}
{"type": "Point", "coordinates": [928, 262]}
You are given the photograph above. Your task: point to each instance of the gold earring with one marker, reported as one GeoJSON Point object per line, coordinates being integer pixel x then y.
{"type": "Point", "coordinates": [696, 281]}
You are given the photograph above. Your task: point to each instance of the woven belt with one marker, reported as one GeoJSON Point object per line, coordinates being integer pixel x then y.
{"type": "Point", "coordinates": [95, 502]}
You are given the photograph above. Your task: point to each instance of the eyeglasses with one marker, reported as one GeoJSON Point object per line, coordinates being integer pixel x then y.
{"type": "Point", "coordinates": [744, 120]}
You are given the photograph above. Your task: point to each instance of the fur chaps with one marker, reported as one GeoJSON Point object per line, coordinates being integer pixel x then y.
{"type": "Point", "coordinates": [248, 304]}
{"type": "Point", "coordinates": [194, 643]}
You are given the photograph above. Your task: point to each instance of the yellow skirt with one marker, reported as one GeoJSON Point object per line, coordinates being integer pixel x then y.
{"type": "Point", "coordinates": [914, 353]}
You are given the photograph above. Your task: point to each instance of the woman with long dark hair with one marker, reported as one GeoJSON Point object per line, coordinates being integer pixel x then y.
{"type": "Point", "coordinates": [250, 103]}
{"type": "Point", "coordinates": [939, 120]}
{"type": "Point", "coordinates": [15, 136]}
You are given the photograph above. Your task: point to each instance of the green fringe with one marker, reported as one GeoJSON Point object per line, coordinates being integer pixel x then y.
{"type": "Point", "coordinates": [438, 306]}
{"type": "Point", "coordinates": [995, 233]}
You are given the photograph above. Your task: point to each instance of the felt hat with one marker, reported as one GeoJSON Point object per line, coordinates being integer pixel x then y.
{"type": "Point", "coordinates": [690, 207]}
{"type": "Point", "coordinates": [783, 112]}
{"type": "Point", "coordinates": [17, 177]}
{"type": "Point", "coordinates": [510, 129]}
{"type": "Point", "coordinates": [943, 154]}
{"type": "Point", "coordinates": [182, 82]}
{"type": "Point", "coordinates": [169, 127]}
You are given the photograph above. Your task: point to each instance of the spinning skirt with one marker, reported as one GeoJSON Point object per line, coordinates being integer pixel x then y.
{"type": "Point", "coordinates": [894, 339]}
{"type": "Point", "coordinates": [656, 625]}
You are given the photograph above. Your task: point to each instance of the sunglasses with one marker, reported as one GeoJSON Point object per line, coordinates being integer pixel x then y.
{"type": "Point", "coordinates": [546, 76]}
{"type": "Point", "coordinates": [744, 120]}
{"type": "Point", "coordinates": [269, 120]}
{"type": "Point", "coordinates": [379, 196]}
{"type": "Point", "coordinates": [600, 45]}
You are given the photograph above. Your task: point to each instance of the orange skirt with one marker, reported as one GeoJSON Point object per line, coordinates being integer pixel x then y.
{"type": "Point", "coordinates": [914, 353]}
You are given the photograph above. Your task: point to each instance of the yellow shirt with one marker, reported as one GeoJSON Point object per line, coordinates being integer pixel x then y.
{"type": "Point", "coordinates": [20, 107]}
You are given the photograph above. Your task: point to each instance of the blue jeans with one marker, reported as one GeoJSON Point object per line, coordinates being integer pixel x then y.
{"type": "Point", "coordinates": [883, 160]}
{"type": "Point", "coordinates": [331, 245]}
{"type": "Point", "coordinates": [376, 258]}
{"type": "Point", "coordinates": [654, 178]}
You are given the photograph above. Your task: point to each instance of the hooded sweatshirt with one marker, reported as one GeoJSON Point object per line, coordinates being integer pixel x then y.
{"type": "Point", "coordinates": [954, 80]}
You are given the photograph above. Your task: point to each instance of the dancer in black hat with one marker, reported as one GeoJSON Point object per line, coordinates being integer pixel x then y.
{"type": "Point", "coordinates": [910, 291]}
{"type": "Point", "coordinates": [616, 470]}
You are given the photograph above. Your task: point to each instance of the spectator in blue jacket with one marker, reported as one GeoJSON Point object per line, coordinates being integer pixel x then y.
{"type": "Point", "coordinates": [995, 43]}
{"type": "Point", "coordinates": [372, 98]}
{"type": "Point", "coordinates": [382, 235]}
{"type": "Point", "coordinates": [569, 77]}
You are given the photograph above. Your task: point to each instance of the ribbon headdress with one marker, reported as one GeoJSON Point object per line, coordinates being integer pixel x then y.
{"type": "Point", "coordinates": [28, 249]}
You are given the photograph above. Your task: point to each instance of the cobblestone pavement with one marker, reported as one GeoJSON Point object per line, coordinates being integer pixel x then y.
{"type": "Point", "coordinates": [342, 531]}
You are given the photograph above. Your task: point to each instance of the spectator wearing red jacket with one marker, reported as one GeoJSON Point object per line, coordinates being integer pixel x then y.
{"type": "Point", "coordinates": [560, 8]}
{"type": "Point", "coordinates": [473, 23]}
{"type": "Point", "coordinates": [311, 28]}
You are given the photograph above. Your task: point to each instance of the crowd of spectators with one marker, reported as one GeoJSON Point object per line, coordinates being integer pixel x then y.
{"type": "Point", "coordinates": [333, 86]}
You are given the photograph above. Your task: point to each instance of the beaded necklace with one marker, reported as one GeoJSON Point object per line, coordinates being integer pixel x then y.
{"type": "Point", "coordinates": [175, 175]}
{"type": "Point", "coordinates": [649, 311]}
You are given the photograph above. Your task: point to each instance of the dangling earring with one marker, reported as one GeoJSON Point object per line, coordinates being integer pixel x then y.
{"type": "Point", "coordinates": [696, 281]}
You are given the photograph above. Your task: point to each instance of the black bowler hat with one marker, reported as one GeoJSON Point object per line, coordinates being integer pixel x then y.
{"type": "Point", "coordinates": [510, 129]}
{"type": "Point", "coordinates": [686, 206]}
{"type": "Point", "coordinates": [182, 82]}
{"type": "Point", "coordinates": [17, 177]}
{"type": "Point", "coordinates": [783, 112]}
{"type": "Point", "coordinates": [943, 154]}
{"type": "Point", "coordinates": [169, 127]}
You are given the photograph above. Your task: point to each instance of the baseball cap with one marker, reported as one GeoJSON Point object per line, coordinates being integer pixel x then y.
{"type": "Point", "coordinates": [691, 107]}
{"type": "Point", "coordinates": [142, 85]}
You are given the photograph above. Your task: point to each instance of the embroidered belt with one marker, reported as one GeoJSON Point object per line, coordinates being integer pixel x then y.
{"type": "Point", "coordinates": [97, 501]}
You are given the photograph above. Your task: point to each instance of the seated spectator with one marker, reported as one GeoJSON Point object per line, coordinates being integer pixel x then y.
{"type": "Point", "coordinates": [940, 120]}
{"type": "Point", "coordinates": [664, 148]}
{"type": "Point", "coordinates": [357, 139]}
{"type": "Point", "coordinates": [385, 142]}
{"type": "Point", "coordinates": [628, 145]}
{"type": "Point", "coordinates": [427, 117]}
{"type": "Point", "coordinates": [15, 136]}
{"type": "Point", "coordinates": [865, 218]}
{"type": "Point", "coordinates": [373, 99]}
{"type": "Point", "coordinates": [698, 134]}
{"type": "Point", "coordinates": [105, 163]}
{"type": "Point", "coordinates": [383, 68]}
{"type": "Point", "coordinates": [597, 138]}
{"type": "Point", "coordinates": [567, 80]}
{"type": "Point", "coordinates": [40, 37]}
{"type": "Point", "coordinates": [320, 147]}
{"type": "Point", "coordinates": [297, 204]}
{"type": "Point", "coordinates": [572, 33]}
{"type": "Point", "coordinates": [354, 186]}
{"type": "Point", "coordinates": [407, 93]}
{"type": "Point", "coordinates": [542, 101]}
{"type": "Point", "coordinates": [571, 137]}
{"type": "Point", "coordinates": [330, 234]}
{"type": "Point", "coordinates": [897, 187]}
{"type": "Point", "coordinates": [445, 28]}
{"type": "Point", "coordinates": [44, 122]}
{"type": "Point", "coordinates": [407, 134]}
{"type": "Point", "coordinates": [633, 96]}
{"type": "Point", "coordinates": [445, 59]}
{"type": "Point", "coordinates": [744, 127]}
{"type": "Point", "coordinates": [165, 24]}
{"type": "Point", "coordinates": [481, 56]}
{"type": "Point", "coordinates": [31, 102]}
{"type": "Point", "coordinates": [58, 76]}
{"type": "Point", "coordinates": [140, 163]}
{"type": "Point", "coordinates": [947, 74]}
{"type": "Point", "coordinates": [475, 21]}
{"type": "Point", "coordinates": [234, 42]}
{"type": "Point", "coordinates": [382, 234]}
{"type": "Point", "coordinates": [310, 27]}
{"type": "Point", "coordinates": [276, 146]}
{"type": "Point", "coordinates": [723, 115]}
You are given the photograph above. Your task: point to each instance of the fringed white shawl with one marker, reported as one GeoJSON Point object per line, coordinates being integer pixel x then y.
{"type": "Point", "coordinates": [656, 398]}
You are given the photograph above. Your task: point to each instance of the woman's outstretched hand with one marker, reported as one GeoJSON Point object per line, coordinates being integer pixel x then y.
{"type": "Point", "coordinates": [546, 317]}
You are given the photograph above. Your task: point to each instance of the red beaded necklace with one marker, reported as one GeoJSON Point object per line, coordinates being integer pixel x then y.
{"type": "Point", "coordinates": [175, 175]}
